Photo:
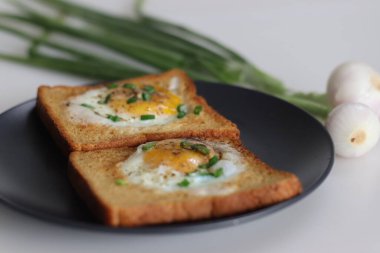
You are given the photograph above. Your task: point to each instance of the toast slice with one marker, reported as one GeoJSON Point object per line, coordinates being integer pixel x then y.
{"type": "Point", "coordinates": [74, 135]}
{"type": "Point", "coordinates": [125, 203]}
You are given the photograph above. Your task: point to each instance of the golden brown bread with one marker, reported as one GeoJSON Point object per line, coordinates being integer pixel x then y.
{"type": "Point", "coordinates": [93, 175]}
{"type": "Point", "coordinates": [71, 136]}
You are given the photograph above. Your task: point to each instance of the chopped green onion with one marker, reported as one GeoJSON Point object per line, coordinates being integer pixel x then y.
{"type": "Point", "coordinates": [181, 109]}
{"type": "Point", "coordinates": [147, 117]}
{"type": "Point", "coordinates": [185, 145]}
{"type": "Point", "coordinates": [106, 100]}
{"type": "Point", "coordinates": [148, 146]}
{"type": "Point", "coordinates": [87, 106]}
{"type": "Point", "coordinates": [120, 182]}
{"type": "Point", "coordinates": [112, 86]}
{"type": "Point", "coordinates": [132, 100]}
{"type": "Point", "coordinates": [201, 149]}
{"type": "Point", "coordinates": [219, 172]}
{"type": "Point", "coordinates": [129, 86]}
{"type": "Point", "coordinates": [212, 161]}
{"type": "Point", "coordinates": [198, 109]}
{"type": "Point", "coordinates": [180, 115]}
{"type": "Point", "coordinates": [150, 89]}
{"type": "Point", "coordinates": [146, 96]}
{"type": "Point", "coordinates": [114, 118]}
{"type": "Point", "coordinates": [184, 183]}
{"type": "Point", "coordinates": [204, 172]}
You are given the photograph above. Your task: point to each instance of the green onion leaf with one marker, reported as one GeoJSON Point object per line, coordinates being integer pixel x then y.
{"type": "Point", "coordinates": [148, 146]}
{"type": "Point", "coordinates": [87, 106]}
{"type": "Point", "coordinates": [181, 109]}
{"type": "Point", "coordinates": [219, 172]}
{"type": "Point", "coordinates": [147, 117]}
{"type": "Point", "coordinates": [204, 172]}
{"type": "Point", "coordinates": [184, 183]}
{"type": "Point", "coordinates": [180, 115]}
{"type": "Point", "coordinates": [200, 148]}
{"type": "Point", "coordinates": [197, 109]}
{"type": "Point", "coordinates": [146, 96]}
{"type": "Point", "coordinates": [120, 182]}
{"type": "Point", "coordinates": [105, 100]}
{"type": "Point", "coordinates": [132, 100]}
{"type": "Point", "coordinates": [213, 161]}
{"type": "Point", "coordinates": [149, 89]}
{"type": "Point", "coordinates": [114, 118]}
{"type": "Point", "coordinates": [185, 145]}
{"type": "Point", "coordinates": [112, 86]}
{"type": "Point", "coordinates": [129, 86]}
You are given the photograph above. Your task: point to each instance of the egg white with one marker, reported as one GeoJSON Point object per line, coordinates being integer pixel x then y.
{"type": "Point", "coordinates": [83, 115]}
{"type": "Point", "coordinates": [166, 179]}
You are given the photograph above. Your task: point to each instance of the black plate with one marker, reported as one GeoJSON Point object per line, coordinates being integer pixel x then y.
{"type": "Point", "coordinates": [33, 172]}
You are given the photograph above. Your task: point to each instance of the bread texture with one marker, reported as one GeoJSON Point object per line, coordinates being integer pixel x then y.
{"type": "Point", "coordinates": [73, 136]}
{"type": "Point", "coordinates": [93, 175]}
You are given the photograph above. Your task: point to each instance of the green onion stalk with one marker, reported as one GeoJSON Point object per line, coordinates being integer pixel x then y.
{"type": "Point", "coordinates": [146, 44]}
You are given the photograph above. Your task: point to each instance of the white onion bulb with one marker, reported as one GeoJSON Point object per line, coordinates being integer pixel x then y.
{"type": "Point", "coordinates": [355, 82]}
{"type": "Point", "coordinates": [354, 129]}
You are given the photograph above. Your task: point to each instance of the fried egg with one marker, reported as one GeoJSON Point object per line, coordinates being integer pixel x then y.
{"type": "Point", "coordinates": [127, 104]}
{"type": "Point", "coordinates": [201, 167]}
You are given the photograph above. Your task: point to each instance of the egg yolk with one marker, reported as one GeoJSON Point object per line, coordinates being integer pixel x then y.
{"type": "Point", "coordinates": [161, 102]}
{"type": "Point", "coordinates": [171, 154]}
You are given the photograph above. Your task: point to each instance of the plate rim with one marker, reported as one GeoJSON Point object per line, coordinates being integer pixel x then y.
{"type": "Point", "coordinates": [201, 225]}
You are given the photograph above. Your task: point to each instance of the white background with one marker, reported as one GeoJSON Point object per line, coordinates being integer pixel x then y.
{"type": "Point", "coordinates": [299, 42]}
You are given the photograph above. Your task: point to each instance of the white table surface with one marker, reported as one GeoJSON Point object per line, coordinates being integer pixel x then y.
{"type": "Point", "coordinates": [299, 42]}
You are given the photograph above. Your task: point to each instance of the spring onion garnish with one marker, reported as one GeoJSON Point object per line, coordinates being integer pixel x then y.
{"type": "Point", "coordinates": [148, 146]}
{"type": "Point", "coordinates": [213, 160]}
{"type": "Point", "coordinates": [181, 109]}
{"type": "Point", "coordinates": [218, 172]}
{"type": "Point", "coordinates": [201, 149]}
{"type": "Point", "coordinates": [147, 117]}
{"type": "Point", "coordinates": [197, 109]}
{"type": "Point", "coordinates": [112, 86]}
{"type": "Point", "coordinates": [184, 183]}
{"type": "Point", "coordinates": [146, 96]}
{"type": "Point", "coordinates": [180, 115]}
{"type": "Point", "coordinates": [204, 172]}
{"type": "Point", "coordinates": [120, 182]}
{"type": "Point", "coordinates": [87, 106]}
{"type": "Point", "coordinates": [114, 118]}
{"type": "Point", "coordinates": [185, 145]}
{"type": "Point", "coordinates": [105, 100]}
{"type": "Point", "coordinates": [132, 100]}
{"type": "Point", "coordinates": [149, 89]}
{"type": "Point", "coordinates": [129, 86]}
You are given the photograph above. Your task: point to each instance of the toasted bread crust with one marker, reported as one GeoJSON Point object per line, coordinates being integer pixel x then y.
{"type": "Point", "coordinates": [51, 115]}
{"type": "Point", "coordinates": [184, 208]}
